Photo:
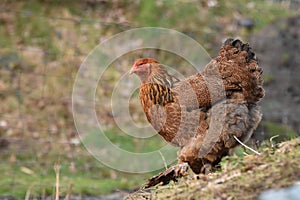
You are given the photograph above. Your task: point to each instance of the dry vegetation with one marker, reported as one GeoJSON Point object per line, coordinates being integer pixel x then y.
{"type": "Point", "coordinates": [240, 178]}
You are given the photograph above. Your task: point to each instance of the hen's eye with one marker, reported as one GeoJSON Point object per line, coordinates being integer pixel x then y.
{"type": "Point", "coordinates": [139, 65]}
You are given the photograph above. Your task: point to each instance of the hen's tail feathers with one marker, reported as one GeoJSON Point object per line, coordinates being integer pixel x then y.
{"type": "Point", "coordinates": [241, 47]}
{"type": "Point", "coordinates": [251, 79]}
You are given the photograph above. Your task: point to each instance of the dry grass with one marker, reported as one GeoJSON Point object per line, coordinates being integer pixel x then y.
{"type": "Point", "coordinates": [240, 178]}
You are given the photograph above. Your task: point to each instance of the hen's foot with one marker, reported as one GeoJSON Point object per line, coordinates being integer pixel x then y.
{"type": "Point", "coordinates": [171, 174]}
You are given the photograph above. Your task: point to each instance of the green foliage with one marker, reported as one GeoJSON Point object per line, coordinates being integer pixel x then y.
{"type": "Point", "coordinates": [279, 129]}
{"type": "Point", "coordinates": [149, 14]}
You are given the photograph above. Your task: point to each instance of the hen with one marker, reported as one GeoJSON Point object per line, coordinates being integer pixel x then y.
{"type": "Point", "coordinates": [206, 112]}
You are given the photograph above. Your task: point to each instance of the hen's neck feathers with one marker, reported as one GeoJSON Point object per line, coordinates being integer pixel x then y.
{"type": "Point", "coordinates": [159, 75]}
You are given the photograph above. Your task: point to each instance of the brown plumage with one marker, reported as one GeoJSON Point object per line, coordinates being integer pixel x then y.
{"type": "Point", "coordinates": [202, 113]}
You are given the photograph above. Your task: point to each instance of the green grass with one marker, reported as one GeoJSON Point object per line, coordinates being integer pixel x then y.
{"type": "Point", "coordinates": [32, 170]}
{"type": "Point", "coordinates": [18, 182]}
{"type": "Point", "coordinates": [202, 22]}
{"type": "Point", "coordinates": [279, 129]}
{"type": "Point", "coordinates": [132, 144]}
{"type": "Point", "coordinates": [86, 175]}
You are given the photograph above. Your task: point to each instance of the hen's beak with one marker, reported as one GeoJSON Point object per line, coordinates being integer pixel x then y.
{"type": "Point", "coordinates": [131, 71]}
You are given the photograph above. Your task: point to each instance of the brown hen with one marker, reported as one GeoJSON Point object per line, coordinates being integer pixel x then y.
{"type": "Point", "coordinates": [204, 112]}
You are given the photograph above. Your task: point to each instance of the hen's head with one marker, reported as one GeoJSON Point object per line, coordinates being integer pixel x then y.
{"type": "Point", "coordinates": [150, 70]}
{"type": "Point", "coordinates": [145, 68]}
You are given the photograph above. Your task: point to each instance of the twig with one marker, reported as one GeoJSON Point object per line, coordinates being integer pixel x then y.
{"type": "Point", "coordinates": [164, 160]}
{"type": "Point", "coordinates": [245, 145]}
{"type": "Point", "coordinates": [43, 194]}
{"type": "Point", "coordinates": [224, 179]}
{"type": "Point", "coordinates": [245, 154]}
{"type": "Point", "coordinates": [271, 140]}
{"type": "Point", "coordinates": [28, 193]}
{"type": "Point", "coordinates": [67, 197]}
{"type": "Point", "coordinates": [56, 169]}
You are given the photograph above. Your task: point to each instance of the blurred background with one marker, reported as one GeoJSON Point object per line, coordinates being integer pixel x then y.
{"type": "Point", "coordinates": [43, 44]}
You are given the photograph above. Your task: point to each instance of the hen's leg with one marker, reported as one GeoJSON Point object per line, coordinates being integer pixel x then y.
{"type": "Point", "coordinates": [171, 174]}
